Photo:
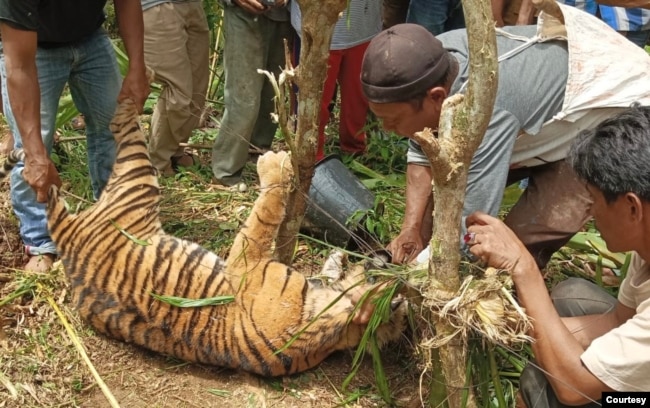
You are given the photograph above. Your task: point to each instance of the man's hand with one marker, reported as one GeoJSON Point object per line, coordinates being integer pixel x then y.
{"type": "Point", "coordinates": [40, 174]}
{"type": "Point", "coordinates": [497, 245]}
{"type": "Point", "coordinates": [251, 6]}
{"type": "Point", "coordinates": [135, 87]}
{"type": "Point", "coordinates": [417, 215]}
{"type": "Point", "coordinates": [131, 25]}
{"type": "Point", "coordinates": [406, 246]}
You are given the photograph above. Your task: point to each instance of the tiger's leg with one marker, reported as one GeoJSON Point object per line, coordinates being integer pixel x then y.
{"type": "Point", "coordinates": [132, 168]}
{"type": "Point", "coordinates": [58, 218]}
{"type": "Point", "coordinates": [131, 143]}
{"type": "Point", "coordinates": [129, 137]}
{"type": "Point", "coordinates": [255, 240]}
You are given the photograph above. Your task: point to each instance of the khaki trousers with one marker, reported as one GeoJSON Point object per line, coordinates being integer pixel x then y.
{"type": "Point", "coordinates": [176, 47]}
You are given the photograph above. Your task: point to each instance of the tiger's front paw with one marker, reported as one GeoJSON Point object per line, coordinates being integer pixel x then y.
{"type": "Point", "coordinates": [274, 168]}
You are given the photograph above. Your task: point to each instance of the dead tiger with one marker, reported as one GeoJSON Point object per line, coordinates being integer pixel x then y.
{"type": "Point", "coordinates": [118, 258]}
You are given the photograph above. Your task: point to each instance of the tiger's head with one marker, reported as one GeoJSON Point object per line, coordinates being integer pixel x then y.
{"type": "Point", "coordinates": [372, 306]}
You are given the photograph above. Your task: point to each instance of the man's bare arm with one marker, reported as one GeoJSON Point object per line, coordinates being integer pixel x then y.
{"type": "Point", "coordinates": [131, 26]}
{"type": "Point", "coordinates": [556, 348]}
{"type": "Point", "coordinates": [19, 48]}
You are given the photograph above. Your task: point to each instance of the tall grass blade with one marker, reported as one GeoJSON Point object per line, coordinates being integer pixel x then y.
{"type": "Point", "coordinates": [129, 235]}
{"type": "Point", "coordinates": [184, 302]}
{"type": "Point", "coordinates": [496, 379]}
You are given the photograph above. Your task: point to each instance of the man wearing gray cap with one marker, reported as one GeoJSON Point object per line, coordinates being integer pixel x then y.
{"type": "Point", "coordinates": [407, 74]}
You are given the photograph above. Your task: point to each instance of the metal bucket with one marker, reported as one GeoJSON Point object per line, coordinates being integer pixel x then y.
{"type": "Point", "coordinates": [334, 196]}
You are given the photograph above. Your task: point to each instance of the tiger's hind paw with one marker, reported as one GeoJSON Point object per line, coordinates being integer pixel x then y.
{"type": "Point", "coordinates": [274, 168]}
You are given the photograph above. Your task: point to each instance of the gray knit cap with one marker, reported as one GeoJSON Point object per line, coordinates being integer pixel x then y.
{"type": "Point", "coordinates": [402, 62]}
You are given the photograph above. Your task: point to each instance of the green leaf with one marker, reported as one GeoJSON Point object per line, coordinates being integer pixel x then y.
{"type": "Point", "coordinates": [66, 111]}
{"type": "Point", "coordinates": [184, 302]}
{"type": "Point", "coordinates": [229, 226]}
{"type": "Point", "coordinates": [219, 393]}
{"type": "Point", "coordinates": [130, 236]}
{"type": "Point", "coordinates": [592, 242]}
{"type": "Point", "coordinates": [380, 375]}
{"type": "Point", "coordinates": [496, 380]}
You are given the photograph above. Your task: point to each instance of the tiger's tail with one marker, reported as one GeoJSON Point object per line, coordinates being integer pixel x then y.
{"type": "Point", "coordinates": [13, 158]}
{"type": "Point", "coordinates": [55, 206]}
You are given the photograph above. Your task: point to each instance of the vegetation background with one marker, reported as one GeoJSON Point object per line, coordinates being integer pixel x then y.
{"type": "Point", "coordinates": [40, 365]}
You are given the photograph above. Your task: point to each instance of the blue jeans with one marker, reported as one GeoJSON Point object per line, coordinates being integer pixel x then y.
{"type": "Point", "coordinates": [437, 16]}
{"type": "Point", "coordinates": [90, 69]}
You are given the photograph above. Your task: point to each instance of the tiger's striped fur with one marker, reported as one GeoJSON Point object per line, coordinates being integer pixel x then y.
{"type": "Point", "coordinates": [113, 276]}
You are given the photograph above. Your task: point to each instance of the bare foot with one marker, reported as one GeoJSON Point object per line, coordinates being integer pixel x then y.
{"type": "Point", "coordinates": [39, 263]}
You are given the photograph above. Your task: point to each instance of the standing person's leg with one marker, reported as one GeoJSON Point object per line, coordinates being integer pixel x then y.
{"type": "Point", "coordinates": [243, 55]}
{"type": "Point", "coordinates": [572, 297]}
{"type": "Point", "coordinates": [329, 87]}
{"type": "Point", "coordinates": [455, 15]}
{"type": "Point", "coordinates": [393, 12]}
{"type": "Point", "coordinates": [639, 38]}
{"type": "Point", "coordinates": [95, 82]}
{"type": "Point", "coordinates": [176, 43]}
{"type": "Point", "coordinates": [274, 33]}
{"type": "Point", "coordinates": [437, 16]}
{"type": "Point", "coordinates": [198, 49]}
{"type": "Point", "coordinates": [554, 206]}
{"type": "Point", "coordinates": [431, 14]}
{"type": "Point", "coordinates": [354, 106]}
{"type": "Point", "coordinates": [53, 67]}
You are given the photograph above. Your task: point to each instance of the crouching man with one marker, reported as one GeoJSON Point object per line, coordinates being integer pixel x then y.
{"type": "Point", "coordinates": [587, 342]}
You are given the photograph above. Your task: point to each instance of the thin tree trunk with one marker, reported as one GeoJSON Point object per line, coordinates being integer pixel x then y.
{"type": "Point", "coordinates": [318, 20]}
{"type": "Point", "coordinates": [462, 125]}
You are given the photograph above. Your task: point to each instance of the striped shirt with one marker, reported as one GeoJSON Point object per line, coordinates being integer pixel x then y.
{"type": "Point", "coordinates": [619, 18]}
{"type": "Point", "coordinates": [358, 24]}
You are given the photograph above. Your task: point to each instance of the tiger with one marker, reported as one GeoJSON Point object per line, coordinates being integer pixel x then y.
{"type": "Point", "coordinates": [119, 262]}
